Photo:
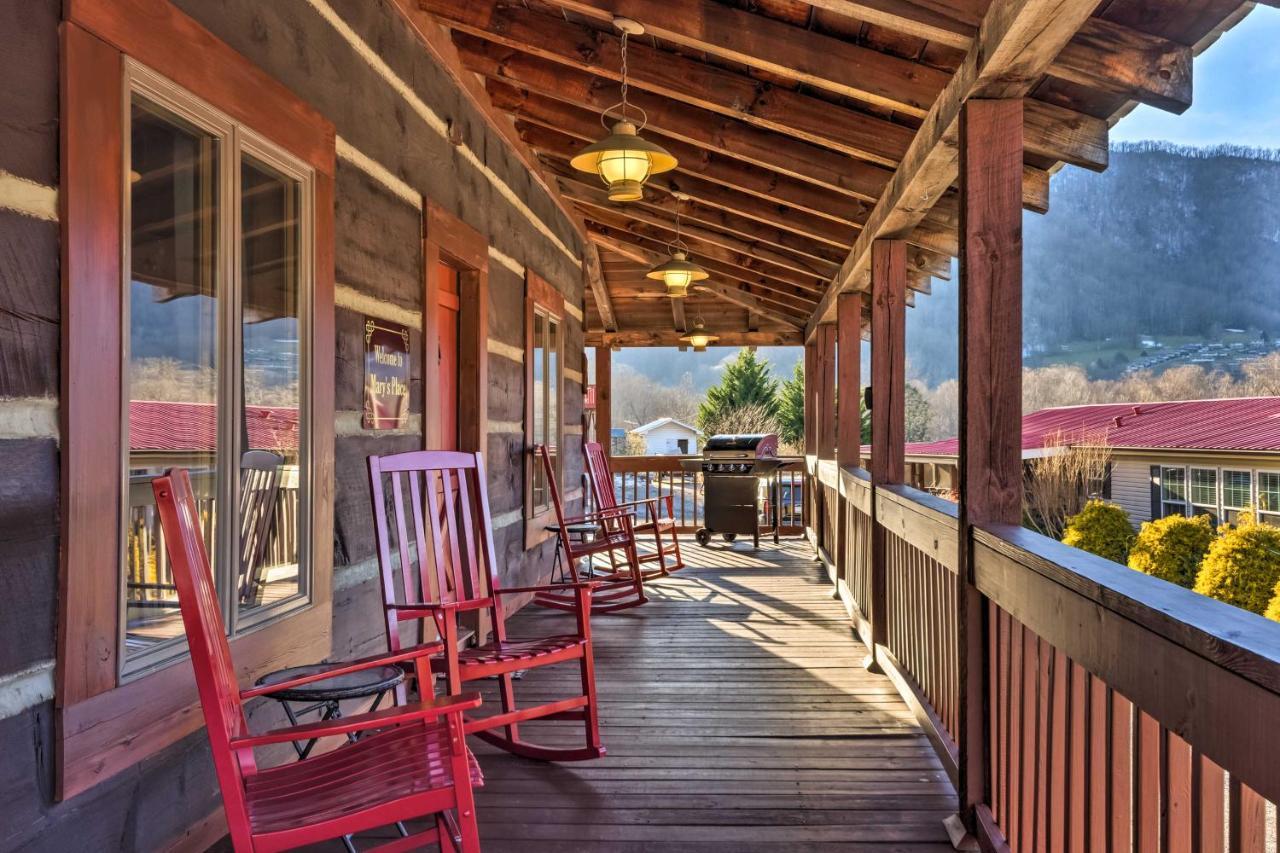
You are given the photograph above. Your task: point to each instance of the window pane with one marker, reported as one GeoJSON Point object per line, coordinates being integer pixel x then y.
{"type": "Point", "coordinates": [540, 497]}
{"type": "Point", "coordinates": [1268, 490]}
{"type": "Point", "coordinates": [1173, 484]}
{"type": "Point", "coordinates": [1204, 487]}
{"type": "Point", "coordinates": [271, 481]}
{"type": "Point", "coordinates": [1173, 509]}
{"type": "Point", "coordinates": [1237, 489]}
{"type": "Point", "coordinates": [171, 368]}
{"type": "Point", "coordinates": [553, 382]}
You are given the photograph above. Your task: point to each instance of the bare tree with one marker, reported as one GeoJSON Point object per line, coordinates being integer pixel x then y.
{"type": "Point", "coordinates": [637, 399]}
{"type": "Point", "coordinates": [753, 418]}
{"type": "Point", "coordinates": [1058, 482]}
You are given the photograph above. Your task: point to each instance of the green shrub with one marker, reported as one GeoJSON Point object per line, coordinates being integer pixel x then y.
{"type": "Point", "coordinates": [1242, 566]}
{"type": "Point", "coordinates": [1172, 548]}
{"type": "Point", "coordinates": [1100, 528]}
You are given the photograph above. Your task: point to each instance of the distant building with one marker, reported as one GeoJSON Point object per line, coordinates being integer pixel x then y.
{"type": "Point", "coordinates": [668, 437]}
{"type": "Point", "coordinates": [1192, 457]}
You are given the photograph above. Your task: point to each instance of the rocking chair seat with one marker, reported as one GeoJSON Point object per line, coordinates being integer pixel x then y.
{"type": "Point", "coordinates": [517, 651]}
{"type": "Point", "coordinates": [406, 761]}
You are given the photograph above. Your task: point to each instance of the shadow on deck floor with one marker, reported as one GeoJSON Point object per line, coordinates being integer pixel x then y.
{"type": "Point", "coordinates": [737, 717]}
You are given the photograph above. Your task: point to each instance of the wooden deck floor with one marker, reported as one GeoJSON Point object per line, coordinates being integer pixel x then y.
{"type": "Point", "coordinates": [737, 717]}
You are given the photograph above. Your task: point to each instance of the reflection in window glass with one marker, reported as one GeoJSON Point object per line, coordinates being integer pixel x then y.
{"type": "Point", "coordinates": [1173, 491]}
{"type": "Point", "coordinates": [551, 438]}
{"type": "Point", "coordinates": [1269, 496]}
{"type": "Point", "coordinates": [269, 486]}
{"type": "Point", "coordinates": [540, 497]}
{"type": "Point", "coordinates": [171, 368]}
{"type": "Point", "coordinates": [1237, 493]}
{"type": "Point", "coordinates": [1204, 492]}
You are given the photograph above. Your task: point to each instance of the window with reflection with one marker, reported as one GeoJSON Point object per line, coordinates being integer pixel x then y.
{"type": "Point", "coordinates": [1204, 493]}
{"type": "Point", "coordinates": [545, 369]}
{"type": "Point", "coordinates": [1173, 491]}
{"type": "Point", "coordinates": [214, 370]}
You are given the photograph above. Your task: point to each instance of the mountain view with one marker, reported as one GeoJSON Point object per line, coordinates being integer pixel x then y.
{"type": "Point", "coordinates": [1202, 291]}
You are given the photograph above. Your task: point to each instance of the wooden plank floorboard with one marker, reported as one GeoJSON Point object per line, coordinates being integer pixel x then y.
{"type": "Point", "coordinates": [737, 718]}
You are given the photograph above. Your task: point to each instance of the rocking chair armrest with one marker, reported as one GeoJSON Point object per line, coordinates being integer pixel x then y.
{"type": "Point", "coordinates": [607, 514]}
{"type": "Point", "coordinates": [422, 609]}
{"type": "Point", "coordinates": [555, 587]}
{"type": "Point", "coordinates": [345, 667]}
{"type": "Point", "coordinates": [649, 503]}
{"type": "Point", "coordinates": [392, 716]}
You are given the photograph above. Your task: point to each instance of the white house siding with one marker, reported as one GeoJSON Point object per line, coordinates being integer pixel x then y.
{"type": "Point", "coordinates": [664, 440]}
{"type": "Point", "coordinates": [1131, 486]}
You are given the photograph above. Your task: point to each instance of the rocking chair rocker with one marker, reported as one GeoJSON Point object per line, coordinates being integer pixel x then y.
{"type": "Point", "coordinates": [411, 762]}
{"type": "Point", "coordinates": [623, 587]}
{"type": "Point", "coordinates": [660, 520]}
{"type": "Point", "coordinates": [445, 566]}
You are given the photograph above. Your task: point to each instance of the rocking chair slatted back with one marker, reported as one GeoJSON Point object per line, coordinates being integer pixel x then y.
{"type": "Point", "coordinates": [259, 487]}
{"type": "Point", "coordinates": [206, 636]}
{"type": "Point", "coordinates": [438, 506]}
{"type": "Point", "coordinates": [600, 475]}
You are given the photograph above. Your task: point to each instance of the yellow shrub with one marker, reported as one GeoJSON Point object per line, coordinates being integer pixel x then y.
{"type": "Point", "coordinates": [1172, 548]}
{"type": "Point", "coordinates": [1100, 528]}
{"type": "Point", "coordinates": [1242, 566]}
{"type": "Point", "coordinates": [1273, 609]}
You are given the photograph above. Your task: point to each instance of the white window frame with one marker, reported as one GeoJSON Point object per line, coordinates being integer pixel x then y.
{"type": "Point", "coordinates": [235, 143]}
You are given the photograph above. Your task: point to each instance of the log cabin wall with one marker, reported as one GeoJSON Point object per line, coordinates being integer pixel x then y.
{"type": "Point", "coordinates": [407, 136]}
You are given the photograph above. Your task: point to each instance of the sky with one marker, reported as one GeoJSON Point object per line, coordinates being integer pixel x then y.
{"type": "Point", "coordinates": [1236, 97]}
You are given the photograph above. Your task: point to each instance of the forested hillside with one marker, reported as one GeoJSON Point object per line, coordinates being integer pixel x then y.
{"type": "Point", "coordinates": [1169, 241]}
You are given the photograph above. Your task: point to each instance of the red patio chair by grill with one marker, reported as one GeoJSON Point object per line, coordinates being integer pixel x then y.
{"type": "Point", "coordinates": [623, 586]}
{"type": "Point", "coordinates": [659, 521]}
{"type": "Point", "coordinates": [438, 502]}
{"type": "Point", "coordinates": [411, 762]}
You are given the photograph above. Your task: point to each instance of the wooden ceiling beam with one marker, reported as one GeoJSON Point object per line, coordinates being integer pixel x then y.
{"type": "Point", "coordinates": [659, 209]}
{"type": "Point", "coordinates": [774, 46]}
{"type": "Point", "coordinates": [1099, 55]}
{"type": "Point", "coordinates": [520, 45]}
{"type": "Point", "coordinates": [796, 306]}
{"type": "Point", "coordinates": [771, 338]}
{"type": "Point", "coordinates": [1102, 55]}
{"type": "Point", "coordinates": [807, 285]}
{"type": "Point", "coordinates": [1015, 44]}
{"type": "Point", "coordinates": [677, 316]}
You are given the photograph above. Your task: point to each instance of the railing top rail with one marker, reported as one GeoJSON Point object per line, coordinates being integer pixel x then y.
{"type": "Point", "coordinates": [856, 472]}
{"type": "Point", "coordinates": [1234, 639]}
{"type": "Point", "coordinates": [941, 509]}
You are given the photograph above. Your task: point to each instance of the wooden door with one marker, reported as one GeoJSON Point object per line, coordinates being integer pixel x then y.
{"type": "Point", "coordinates": [442, 403]}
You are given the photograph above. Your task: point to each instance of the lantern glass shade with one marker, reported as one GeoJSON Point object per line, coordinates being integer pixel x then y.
{"type": "Point", "coordinates": [624, 161]}
{"type": "Point", "coordinates": [699, 338]}
{"type": "Point", "coordinates": [677, 274]}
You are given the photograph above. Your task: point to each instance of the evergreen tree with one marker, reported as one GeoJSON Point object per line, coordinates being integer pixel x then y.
{"type": "Point", "coordinates": [747, 381]}
{"type": "Point", "coordinates": [791, 408]}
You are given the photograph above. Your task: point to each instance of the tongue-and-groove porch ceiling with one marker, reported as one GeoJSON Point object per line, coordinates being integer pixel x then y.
{"type": "Point", "coordinates": [805, 130]}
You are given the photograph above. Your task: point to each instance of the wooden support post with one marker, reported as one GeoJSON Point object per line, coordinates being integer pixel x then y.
{"type": "Point", "coordinates": [810, 432]}
{"type": "Point", "coordinates": [848, 417]}
{"type": "Point", "coordinates": [825, 430]}
{"type": "Point", "coordinates": [990, 390]}
{"type": "Point", "coordinates": [604, 399]}
{"type": "Point", "coordinates": [888, 409]}
{"type": "Point", "coordinates": [849, 380]}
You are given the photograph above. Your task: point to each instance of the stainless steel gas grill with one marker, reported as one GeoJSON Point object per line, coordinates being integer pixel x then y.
{"type": "Point", "coordinates": [736, 473]}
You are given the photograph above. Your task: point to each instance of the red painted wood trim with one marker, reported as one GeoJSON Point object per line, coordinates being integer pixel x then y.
{"type": "Point", "coordinates": [90, 196]}
{"type": "Point", "coordinates": [159, 35]}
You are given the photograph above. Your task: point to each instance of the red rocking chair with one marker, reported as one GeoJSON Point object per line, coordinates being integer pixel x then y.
{"type": "Point", "coordinates": [661, 525]}
{"type": "Point", "coordinates": [442, 527]}
{"type": "Point", "coordinates": [411, 762]}
{"type": "Point", "coordinates": [623, 586]}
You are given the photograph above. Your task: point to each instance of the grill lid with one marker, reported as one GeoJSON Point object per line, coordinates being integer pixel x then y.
{"type": "Point", "coordinates": [761, 446]}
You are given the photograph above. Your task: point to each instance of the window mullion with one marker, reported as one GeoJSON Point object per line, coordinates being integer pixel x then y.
{"type": "Point", "coordinates": [231, 384]}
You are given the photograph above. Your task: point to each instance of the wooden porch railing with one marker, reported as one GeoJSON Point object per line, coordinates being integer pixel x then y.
{"type": "Point", "coordinates": [636, 477]}
{"type": "Point", "coordinates": [1120, 712]}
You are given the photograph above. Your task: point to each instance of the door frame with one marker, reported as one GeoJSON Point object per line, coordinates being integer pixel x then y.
{"type": "Point", "coordinates": [447, 238]}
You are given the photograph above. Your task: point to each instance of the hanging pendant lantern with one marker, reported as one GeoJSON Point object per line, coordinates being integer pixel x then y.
{"type": "Point", "coordinates": [699, 338]}
{"type": "Point", "coordinates": [624, 160]}
{"type": "Point", "coordinates": [678, 272]}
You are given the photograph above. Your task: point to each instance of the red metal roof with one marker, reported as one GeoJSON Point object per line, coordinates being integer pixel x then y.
{"type": "Point", "coordinates": [1239, 424]}
{"type": "Point", "coordinates": [178, 427]}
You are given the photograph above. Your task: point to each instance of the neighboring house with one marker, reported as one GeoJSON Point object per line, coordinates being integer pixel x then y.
{"type": "Point", "coordinates": [668, 437]}
{"type": "Point", "coordinates": [1193, 457]}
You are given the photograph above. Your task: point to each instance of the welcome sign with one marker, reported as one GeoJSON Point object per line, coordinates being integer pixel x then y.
{"type": "Point", "coordinates": [386, 375]}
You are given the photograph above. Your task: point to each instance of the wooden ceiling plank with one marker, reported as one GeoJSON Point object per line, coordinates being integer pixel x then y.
{"type": "Point", "coordinates": [656, 338]}
{"type": "Point", "coordinates": [795, 306]}
{"type": "Point", "coordinates": [1016, 42]}
{"type": "Point", "coordinates": [777, 47]}
{"type": "Point", "coordinates": [687, 98]}
{"type": "Point", "coordinates": [664, 215]}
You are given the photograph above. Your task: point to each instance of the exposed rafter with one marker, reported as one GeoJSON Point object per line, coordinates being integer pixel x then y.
{"type": "Point", "coordinates": [1016, 42]}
